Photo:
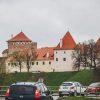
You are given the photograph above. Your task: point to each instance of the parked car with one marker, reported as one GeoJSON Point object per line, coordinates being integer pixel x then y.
{"type": "Point", "coordinates": [28, 91]}
{"type": "Point", "coordinates": [93, 88]}
{"type": "Point", "coordinates": [71, 88]}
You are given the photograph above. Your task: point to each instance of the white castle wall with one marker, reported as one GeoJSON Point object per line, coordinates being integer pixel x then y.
{"type": "Point", "coordinates": [40, 67]}
{"type": "Point", "coordinates": [61, 65]}
{"type": "Point", "coordinates": [57, 66]}
{"type": "Point", "coordinates": [43, 68]}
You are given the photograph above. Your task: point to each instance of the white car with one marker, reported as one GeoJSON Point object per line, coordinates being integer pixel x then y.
{"type": "Point", "coordinates": [71, 88]}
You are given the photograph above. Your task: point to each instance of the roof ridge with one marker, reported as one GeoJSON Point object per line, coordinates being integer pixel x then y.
{"type": "Point", "coordinates": [67, 42]}
{"type": "Point", "coordinates": [19, 37]}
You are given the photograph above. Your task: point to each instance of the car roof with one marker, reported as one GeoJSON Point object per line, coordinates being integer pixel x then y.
{"type": "Point", "coordinates": [24, 83]}
{"type": "Point", "coordinates": [70, 82]}
{"type": "Point", "coordinates": [95, 83]}
{"type": "Point", "coordinates": [27, 83]}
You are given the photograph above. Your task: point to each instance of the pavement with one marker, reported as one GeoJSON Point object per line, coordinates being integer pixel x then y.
{"type": "Point", "coordinates": [55, 98]}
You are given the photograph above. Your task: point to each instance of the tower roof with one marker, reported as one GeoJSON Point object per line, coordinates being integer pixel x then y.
{"type": "Point", "coordinates": [19, 37]}
{"type": "Point", "coordinates": [67, 42]}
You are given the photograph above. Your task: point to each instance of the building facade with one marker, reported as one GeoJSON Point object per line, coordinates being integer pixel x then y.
{"type": "Point", "coordinates": [48, 59]}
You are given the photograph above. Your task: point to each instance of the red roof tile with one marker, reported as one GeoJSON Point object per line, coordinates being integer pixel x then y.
{"type": "Point", "coordinates": [67, 42]}
{"type": "Point", "coordinates": [45, 53]}
{"type": "Point", "coordinates": [98, 42]}
{"type": "Point", "coordinates": [20, 37]}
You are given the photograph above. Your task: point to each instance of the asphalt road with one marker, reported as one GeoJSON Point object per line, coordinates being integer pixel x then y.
{"type": "Point", "coordinates": [55, 98]}
{"type": "Point", "coordinates": [2, 98]}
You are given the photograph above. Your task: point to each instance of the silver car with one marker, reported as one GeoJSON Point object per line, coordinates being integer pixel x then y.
{"type": "Point", "coordinates": [71, 88]}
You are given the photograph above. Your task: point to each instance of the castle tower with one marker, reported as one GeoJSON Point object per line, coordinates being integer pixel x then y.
{"type": "Point", "coordinates": [20, 41]}
{"type": "Point", "coordinates": [63, 53]}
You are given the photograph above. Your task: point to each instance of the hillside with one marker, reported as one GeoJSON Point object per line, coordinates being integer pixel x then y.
{"type": "Point", "coordinates": [53, 78]}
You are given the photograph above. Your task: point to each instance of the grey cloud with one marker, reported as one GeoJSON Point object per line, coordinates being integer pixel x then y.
{"type": "Point", "coordinates": [46, 21]}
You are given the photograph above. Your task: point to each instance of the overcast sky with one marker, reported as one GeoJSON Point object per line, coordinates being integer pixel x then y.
{"type": "Point", "coordinates": [46, 21]}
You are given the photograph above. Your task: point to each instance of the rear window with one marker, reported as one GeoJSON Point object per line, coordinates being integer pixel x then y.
{"type": "Point", "coordinates": [21, 89]}
{"type": "Point", "coordinates": [67, 84]}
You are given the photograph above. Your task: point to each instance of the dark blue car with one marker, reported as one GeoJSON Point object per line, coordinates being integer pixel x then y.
{"type": "Point", "coordinates": [28, 91]}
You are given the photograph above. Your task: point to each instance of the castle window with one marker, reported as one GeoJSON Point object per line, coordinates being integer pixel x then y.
{"type": "Point", "coordinates": [21, 42]}
{"type": "Point", "coordinates": [12, 64]}
{"type": "Point", "coordinates": [49, 62]}
{"type": "Point", "coordinates": [64, 52]}
{"type": "Point", "coordinates": [36, 63]}
{"type": "Point", "coordinates": [8, 64]}
{"type": "Point", "coordinates": [15, 64]}
{"type": "Point", "coordinates": [43, 63]}
{"type": "Point", "coordinates": [32, 63]}
{"type": "Point", "coordinates": [56, 59]}
{"type": "Point", "coordinates": [64, 59]}
{"type": "Point", "coordinates": [17, 42]}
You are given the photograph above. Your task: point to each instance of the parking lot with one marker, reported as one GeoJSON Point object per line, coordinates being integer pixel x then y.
{"type": "Point", "coordinates": [56, 93]}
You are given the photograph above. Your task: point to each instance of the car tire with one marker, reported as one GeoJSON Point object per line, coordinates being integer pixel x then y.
{"type": "Point", "coordinates": [50, 98]}
{"type": "Point", "coordinates": [6, 98]}
{"type": "Point", "coordinates": [75, 93]}
{"type": "Point", "coordinates": [60, 95]}
{"type": "Point", "coordinates": [82, 94]}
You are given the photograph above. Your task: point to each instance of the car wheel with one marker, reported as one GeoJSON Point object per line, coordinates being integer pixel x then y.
{"type": "Point", "coordinates": [75, 93]}
{"type": "Point", "coordinates": [82, 94]}
{"type": "Point", "coordinates": [86, 94]}
{"type": "Point", "coordinates": [6, 99]}
{"type": "Point", "coordinates": [49, 98]}
{"type": "Point", "coordinates": [60, 95]}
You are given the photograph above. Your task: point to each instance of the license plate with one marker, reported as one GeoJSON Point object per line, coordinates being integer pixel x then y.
{"type": "Point", "coordinates": [65, 87]}
{"type": "Point", "coordinates": [65, 92]}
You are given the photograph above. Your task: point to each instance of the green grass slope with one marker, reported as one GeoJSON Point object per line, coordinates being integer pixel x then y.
{"type": "Point", "coordinates": [84, 76]}
{"type": "Point", "coordinates": [51, 79]}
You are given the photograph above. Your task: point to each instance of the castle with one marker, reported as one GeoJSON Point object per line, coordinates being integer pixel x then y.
{"type": "Point", "coordinates": [48, 59]}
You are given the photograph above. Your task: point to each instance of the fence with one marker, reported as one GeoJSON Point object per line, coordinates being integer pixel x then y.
{"type": "Point", "coordinates": [3, 90]}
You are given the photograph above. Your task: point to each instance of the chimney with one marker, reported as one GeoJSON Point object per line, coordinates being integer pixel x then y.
{"type": "Point", "coordinates": [47, 55]}
{"type": "Point", "coordinates": [60, 43]}
{"type": "Point", "coordinates": [11, 35]}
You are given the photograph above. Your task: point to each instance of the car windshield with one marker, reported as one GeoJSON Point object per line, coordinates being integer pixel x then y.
{"type": "Point", "coordinates": [95, 85]}
{"type": "Point", "coordinates": [21, 89]}
{"type": "Point", "coordinates": [67, 84]}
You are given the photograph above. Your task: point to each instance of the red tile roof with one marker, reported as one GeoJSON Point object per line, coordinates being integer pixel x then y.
{"type": "Point", "coordinates": [45, 53]}
{"type": "Point", "coordinates": [67, 42]}
{"type": "Point", "coordinates": [98, 42]}
{"type": "Point", "coordinates": [20, 37]}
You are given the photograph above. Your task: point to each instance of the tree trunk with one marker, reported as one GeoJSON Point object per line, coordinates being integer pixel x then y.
{"type": "Point", "coordinates": [20, 66]}
{"type": "Point", "coordinates": [91, 63]}
{"type": "Point", "coordinates": [28, 66]}
{"type": "Point", "coordinates": [94, 60]}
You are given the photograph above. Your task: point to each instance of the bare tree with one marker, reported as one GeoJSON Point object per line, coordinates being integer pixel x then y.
{"type": "Point", "coordinates": [77, 57]}
{"type": "Point", "coordinates": [17, 57]}
{"type": "Point", "coordinates": [97, 48]}
{"type": "Point", "coordinates": [87, 55]}
{"type": "Point", "coordinates": [29, 55]}
{"type": "Point", "coordinates": [93, 54]}
{"type": "Point", "coordinates": [2, 65]}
